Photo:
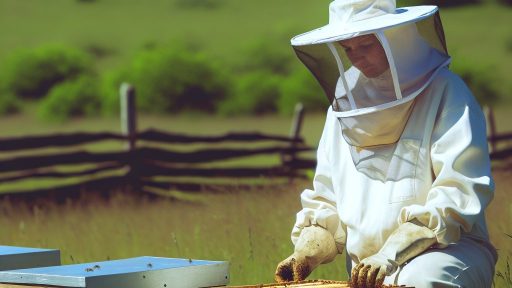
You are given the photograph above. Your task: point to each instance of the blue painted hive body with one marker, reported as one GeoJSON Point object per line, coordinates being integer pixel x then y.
{"type": "Point", "coordinates": [140, 272]}
{"type": "Point", "coordinates": [12, 257]}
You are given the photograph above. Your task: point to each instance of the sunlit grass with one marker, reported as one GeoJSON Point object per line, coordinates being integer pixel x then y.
{"type": "Point", "coordinates": [250, 229]}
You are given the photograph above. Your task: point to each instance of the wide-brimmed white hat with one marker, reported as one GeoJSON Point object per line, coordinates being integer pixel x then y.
{"type": "Point", "coordinates": [351, 18]}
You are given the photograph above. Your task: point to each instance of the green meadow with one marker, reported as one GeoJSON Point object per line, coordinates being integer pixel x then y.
{"type": "Point", "coordinates": [248, 228]}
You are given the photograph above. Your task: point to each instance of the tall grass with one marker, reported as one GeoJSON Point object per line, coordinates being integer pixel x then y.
{"type": "Point", "coordinates": [499, 220]}
{"type": "Point", "coordinates": [250, 229]}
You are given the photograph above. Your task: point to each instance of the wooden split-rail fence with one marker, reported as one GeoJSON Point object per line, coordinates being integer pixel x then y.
{"type": "Point", "coordinates": [155, 161]}
{"type": "Point", "coordinates": [499, 146]}
{"type": "Point", "coordinates": [151, 160]}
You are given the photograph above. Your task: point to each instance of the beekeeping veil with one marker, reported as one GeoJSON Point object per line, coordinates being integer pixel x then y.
{"type": "Point", "coordinates": [373, 109]}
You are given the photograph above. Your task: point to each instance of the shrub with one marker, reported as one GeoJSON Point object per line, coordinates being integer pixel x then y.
{"type": "Point", "coordinates": [254, 93]}
{"type": "Point", "coordinates": [9, 104]}
{"type": "Point", "coordinates": [76, 97]}
{"type": "Point", "coordinates": [175, 79]}
{"type": "Point", "coordinates": [110, 85]}
{"type": "Point", "coordinates": [266, 55]}
{"type": "Point", "coordinates": [301, 86]}
{"type": "Point", "coordinates": [32, 73]}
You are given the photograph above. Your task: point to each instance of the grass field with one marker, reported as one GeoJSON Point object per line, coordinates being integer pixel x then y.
{"type": "Point", "coordinates": [248, 228]}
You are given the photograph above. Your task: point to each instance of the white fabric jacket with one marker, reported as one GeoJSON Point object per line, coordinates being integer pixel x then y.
{"type": "Point", "coordinates": [438, 172]}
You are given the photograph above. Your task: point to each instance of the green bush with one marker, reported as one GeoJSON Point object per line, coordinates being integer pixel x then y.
{"type": "Point", "coordinates": [254, 93]}
{"type": "Point", "coordinates": [9, 104]}
{"type": "Point", "coordinates": [32, 73]}
{"type": "Point", "coordinates": [175, 79]}
{"type": "Point", "coordinates": [483, 84]}
{"type": "Point", "coordinates": [266, 55]}
{"type": "Point", "coordinates": [110, 85]}
{"type": "Point", "coordinates": [76, 97]}
{"type": "Point", "coordinates": [301, 86]}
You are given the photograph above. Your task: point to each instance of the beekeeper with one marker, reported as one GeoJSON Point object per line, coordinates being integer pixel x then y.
{"type": "Point", "coordinates": [403, 174]}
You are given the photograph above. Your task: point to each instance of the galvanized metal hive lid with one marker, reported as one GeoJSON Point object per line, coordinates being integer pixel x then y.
{"type": "Point", "coordinates": [127, 273]}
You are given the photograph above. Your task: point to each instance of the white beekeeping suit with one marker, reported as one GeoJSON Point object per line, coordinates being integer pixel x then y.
{"type": "Point", "coordinates": [403, 174]}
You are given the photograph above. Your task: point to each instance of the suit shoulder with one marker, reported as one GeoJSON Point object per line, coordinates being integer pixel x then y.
{"type": "Point", "coordinates": [456, 94]}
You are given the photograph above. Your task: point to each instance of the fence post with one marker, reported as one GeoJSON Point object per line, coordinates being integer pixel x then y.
{"type": "Point", "coordinates": [491, 128]}
{"type": "Point", "coordinates": [128, 114]}
{"type": "Point", "coordinates": [129, 129]}
{"type": "Point", "coordinates": [297, 121]}
{"type": "Point", "coordinates": [294, 133]}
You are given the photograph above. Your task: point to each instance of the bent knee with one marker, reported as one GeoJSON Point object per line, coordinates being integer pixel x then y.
{"type": "Point", "coordinates": [437, 269]}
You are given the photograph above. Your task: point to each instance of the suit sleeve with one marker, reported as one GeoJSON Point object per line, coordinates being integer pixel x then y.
{"type": "Point", "coordinates": [319, 203]}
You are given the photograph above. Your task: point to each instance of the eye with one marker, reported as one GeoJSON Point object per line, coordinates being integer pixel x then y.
{"type": "Point", "coordinates": [367, 45]}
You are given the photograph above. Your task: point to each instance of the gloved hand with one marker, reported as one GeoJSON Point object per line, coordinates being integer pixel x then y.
{"type": "Point", "coordinates": [406, 242]}
{"type": "Point", "coordinates": [314, 247]}
{"type": "Point", "coordinates": [371, 271]}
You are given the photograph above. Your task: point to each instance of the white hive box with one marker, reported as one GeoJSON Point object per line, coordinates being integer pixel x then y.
{"type": "Point", "coordinates": [140, 272]}
{"type": "Point", "coordinates": [12, 257]}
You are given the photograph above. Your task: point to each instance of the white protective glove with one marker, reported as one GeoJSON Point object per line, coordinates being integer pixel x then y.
{"type": "Point", "coordinates": [406, 242]}
{"type": "Point", "coordinates": [315, 246]}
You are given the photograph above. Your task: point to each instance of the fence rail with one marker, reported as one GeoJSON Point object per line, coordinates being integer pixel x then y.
{"type": "Point", "coordinates": [142, 166]}
{"type": "Point", "coordinates": [56, 140]}
{"type": "Point", "coordinates": [494, 139]}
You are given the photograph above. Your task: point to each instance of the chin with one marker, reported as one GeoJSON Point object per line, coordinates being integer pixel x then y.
{"type": "Point", "coordinates": [372, 73]}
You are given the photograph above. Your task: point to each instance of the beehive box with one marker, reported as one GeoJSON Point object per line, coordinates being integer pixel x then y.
{"type": "Point", "coordinates": [12, 257]}
{"type": "Point", "coordinates": [139, 272]}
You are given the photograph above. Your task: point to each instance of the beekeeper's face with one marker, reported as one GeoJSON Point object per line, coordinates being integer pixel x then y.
{"type": "Point", "coordinates": [366, 54]}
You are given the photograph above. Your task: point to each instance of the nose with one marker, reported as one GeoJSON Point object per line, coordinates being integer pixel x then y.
{"type": "Point", "coordinates": [355, 56]}
{"type": "Point", "coordinates": [358, 59]}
